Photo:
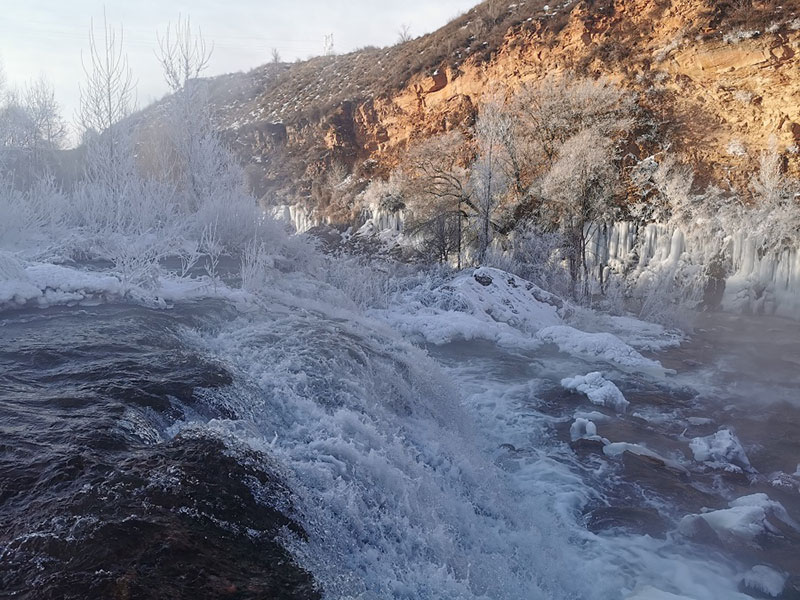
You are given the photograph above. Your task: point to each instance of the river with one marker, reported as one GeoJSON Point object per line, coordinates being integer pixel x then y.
{"type": "Point", "coordinates": [297, 451]}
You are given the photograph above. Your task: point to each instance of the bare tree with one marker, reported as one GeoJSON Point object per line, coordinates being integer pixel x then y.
{"type": "Point", "coordinates": [439, 192]}
{"type": "Point", "coordinates": [106, 99]}
{"type": "Point", "coordinates": [276, 56]}
{"type": "Point", "coordinates": [550, 111]}
{"type": "Point", "coordinates": [404, 34]}
{"type": "Point", "coordinates": [108, 95]}
{"type": "Point", "coordinates": [184, 55]}
{"type": "Point", "coordinates": [41, 104]}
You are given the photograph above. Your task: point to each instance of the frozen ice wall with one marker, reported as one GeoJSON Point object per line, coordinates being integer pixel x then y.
{"type": "Point", "coordinates": [754, 281]}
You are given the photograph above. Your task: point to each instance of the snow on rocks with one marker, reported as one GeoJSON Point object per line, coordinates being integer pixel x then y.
{"type": "Point", "coordinates": [41, 285]}
{"type": "Point", "coordinates": [764, 580]}
{"type": "Point", "coordinates": [483, 303]}
{"type": "Point", "coordinates": [598, 389]}
{"type": "Point", "coordinates": [583, 429]}
{"type": "Point", "coordinates": [722, 450]}
{"type": "Point", "coordinates": [747, 518]}
{"type": "Point", "coordinates": [600, 347]}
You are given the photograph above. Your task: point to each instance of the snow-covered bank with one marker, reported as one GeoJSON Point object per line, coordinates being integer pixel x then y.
{"type": "Point", "coordinates": [42, 285]}
{"type": "Point", "coordinates": [479, 303]}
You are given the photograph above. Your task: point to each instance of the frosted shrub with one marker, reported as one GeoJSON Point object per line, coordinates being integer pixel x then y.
{"type": "Point", "coordinates": [659, 297]}
{"type": "Point", "coordinates": [35, 215]}
{"type": "Point", "coordinates": [535, 255]}
{"type": "Point", "coordinates": [368, 284]}
{"type": "Point", "coordinates": [776, 214]}
{"type": "Point", "coordinates": [16, 222]}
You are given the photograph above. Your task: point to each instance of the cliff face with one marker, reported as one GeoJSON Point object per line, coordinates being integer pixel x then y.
{"type": "Point", "coordinates": [721, 79]}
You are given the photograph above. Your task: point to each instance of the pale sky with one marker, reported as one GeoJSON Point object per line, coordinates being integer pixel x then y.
{"type": "Point", "coordinates": [46, 37]}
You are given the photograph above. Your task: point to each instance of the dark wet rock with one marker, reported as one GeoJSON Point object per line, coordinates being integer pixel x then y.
{"type": "Point", "coordinates": [641, 466]}
{"type": "Point", "coordinates": [584, 446]}
{"type": "Point", "coordinates": [483, 279]}
{"type": "Point", "coordinates": [632, 518]}
{"type": "Point", "coordinates": [667, 481]}
{"type": "Point", "coordinates": [184, 520]}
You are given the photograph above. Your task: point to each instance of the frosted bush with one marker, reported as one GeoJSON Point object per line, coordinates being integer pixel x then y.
{"type": "Point", "coordinates": [535, 255]}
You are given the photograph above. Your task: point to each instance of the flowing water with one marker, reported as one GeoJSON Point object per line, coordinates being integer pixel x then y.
{"type": "Point", "coordinates": [296, 451]}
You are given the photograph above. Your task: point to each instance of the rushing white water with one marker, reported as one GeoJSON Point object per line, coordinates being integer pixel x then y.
{"type": "Point", "coordinates": [436, 476]}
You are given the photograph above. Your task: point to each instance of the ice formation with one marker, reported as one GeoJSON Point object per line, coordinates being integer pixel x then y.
{"type": "Point", "coordinates": [599, 347]}
{"type": "Point", "coordinates": [598, 389]}
{"type": "Point", "coordinates": [481, 303]}
{"type": "Point", "coordinates": [755, 282]}
{"type": "Point", "coordinates": [722, 450]}
{"type": "Point", "coordinates": [765, 580]}
{"type": "Point", "coordinates": [746, 519]}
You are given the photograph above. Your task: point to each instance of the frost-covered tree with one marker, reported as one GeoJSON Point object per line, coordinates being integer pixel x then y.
{"type": "Point", "coordinates": [579, 189]}
{"type": "Point", "coordinates": [776, 203]}
{"type": "Point", "coordinates": [184, 56]}
{"type": "Point", "coordinates": [548, 112]}
{"type": "Point", "coordinates": [489, 172]}
{"type": "Point", "coordinates": [49, 126]}
{"type": "Point", "coordinates": [31, 131]}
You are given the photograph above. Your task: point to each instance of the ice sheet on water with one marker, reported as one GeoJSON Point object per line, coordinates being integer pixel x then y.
{"type": "Point", "coordinates": [47, 285]}
{"type": "Point", "coordinates": [747, 518]}
{"type": "Point", "coordinates": [639, 334]}
{"type": "Point", "coordinates": [600, 347]}
{"type": "Point", "coordinates": [619, 448]}
{"type": "Point", "coordinates": [598, 389]}
{"type": "Point", "coordinates": [42, 285]}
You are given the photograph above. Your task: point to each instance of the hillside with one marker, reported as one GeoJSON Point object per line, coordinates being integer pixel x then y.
{"type": "Point", "coordinates": [719, 79]}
